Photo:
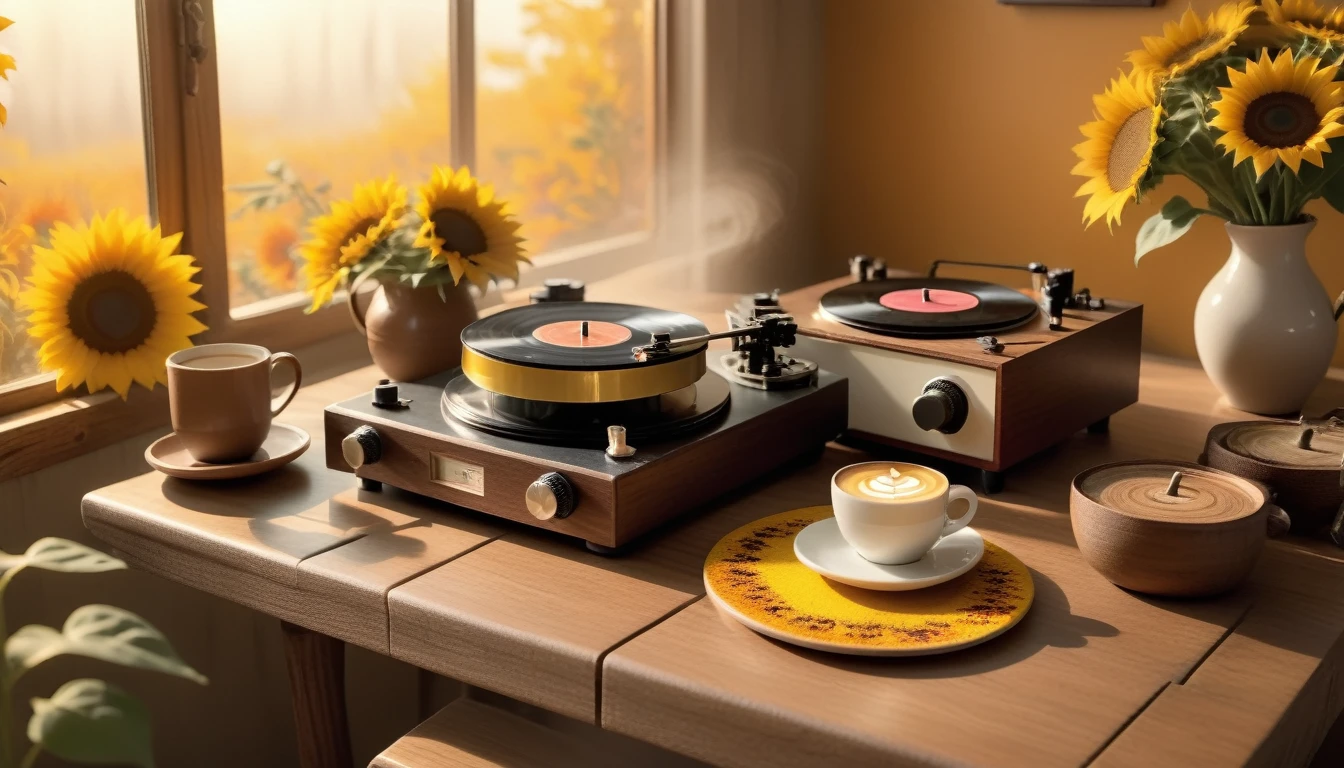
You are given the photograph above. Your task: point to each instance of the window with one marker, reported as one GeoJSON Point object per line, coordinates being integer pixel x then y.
{"type": "Point", "coordinates": [295, 101]}
{"type": "Point", "coordinates": [75, 142]}
{"type": "Point", "coordinates": [563, 115]}
{"type": "Point", "coordinates": [314, 99]}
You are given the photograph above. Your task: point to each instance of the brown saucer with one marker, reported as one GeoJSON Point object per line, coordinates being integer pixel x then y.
{"type": "Point", "coordinates": [283, 444]}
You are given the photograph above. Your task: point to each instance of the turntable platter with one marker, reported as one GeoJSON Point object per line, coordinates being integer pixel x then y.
{"type": "Point", "coordinates": [579, 352]}
{"type": "Point", "coordinates": [648, 420]}
{"type": "Point", "coordinates": [929, 307]}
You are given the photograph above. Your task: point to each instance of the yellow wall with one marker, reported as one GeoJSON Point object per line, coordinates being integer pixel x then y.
{"type": "Point", "coordinates": [948, 130]}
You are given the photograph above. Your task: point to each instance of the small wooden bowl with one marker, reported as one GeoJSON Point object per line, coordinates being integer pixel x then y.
{"type": "Point", "coordinates": [1303, 479]}
{"type": "Point", "coordinates": [1202, 540]}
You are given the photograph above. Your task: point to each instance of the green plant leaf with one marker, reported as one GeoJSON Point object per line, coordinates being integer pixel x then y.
{"type": "Point", "coordinates": [1166, 226]}
{"type": "Point", "coordinates": [67, 556]}
{"type": "Point", "coordinates": [93, 722]}
{"type": "Point", "coordinates": [102, 632]}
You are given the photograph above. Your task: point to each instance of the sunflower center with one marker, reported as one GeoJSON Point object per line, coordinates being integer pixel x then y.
{"type": "Point", "coordinates": [459, 231]}
{"type": "Point", "coordinates": [1131, 143]}
{"type": "Point", "coordinates": [1281, 120]}
{"type": "Point", "coordinates": [1192, 49]}
{"type": "Point", "coordinates": [361, 228]}
{"type": "Point", "coordinates": [111, 312]}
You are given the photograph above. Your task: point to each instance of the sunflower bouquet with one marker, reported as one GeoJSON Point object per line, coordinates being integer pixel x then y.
{"type": "Point", "coordinates": [457, 229]}
{"type": "Point", "coordinates": [1245, 103]}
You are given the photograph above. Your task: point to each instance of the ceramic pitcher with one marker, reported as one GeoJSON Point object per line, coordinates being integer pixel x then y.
{"type": "Point", "coordinates": [415, 332]}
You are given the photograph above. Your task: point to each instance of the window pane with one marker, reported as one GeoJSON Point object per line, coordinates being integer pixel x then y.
{"type": "Point", "coordinates": [564, 120]}
{"type": "Point", "coordinates": [74, 145]}
{"type": "Point", "coordinates": [315, 97]}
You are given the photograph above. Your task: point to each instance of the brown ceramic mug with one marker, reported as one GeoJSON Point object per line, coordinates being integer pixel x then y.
{"type": "Point", "coordinates": [220, 398]}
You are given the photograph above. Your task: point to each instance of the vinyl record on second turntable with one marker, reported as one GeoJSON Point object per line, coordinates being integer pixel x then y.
{"type": "Point", "coordinates": [579, 352]}
{"type": "Point", "coordinates": [924, 306]}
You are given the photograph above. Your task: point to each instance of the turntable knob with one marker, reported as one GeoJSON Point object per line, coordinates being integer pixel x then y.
{"type": "Point", "coordinates": [942, 407]}
{"type": "Point", "coordinates": [550, 496]}
{"type": "Point", "coordinates": [363, 446]}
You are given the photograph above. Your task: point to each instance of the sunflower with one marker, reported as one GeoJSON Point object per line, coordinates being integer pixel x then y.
{"type": "Point", "coordinates": [1193, 41]}
{"type": "Point", "coordinates": [109, 302]}
{"type": "Point", "coordinates": [465, 227]}
{"type": "Point", "coordinates": [1279, 110]}
{"type": "Point", "coordinates": [43, 213]}
{"type": "Point", "coordinates": [6, 65]}
{"type": "Point", "coordinates": [344, 237]}
{"type": "Point", "coordinates": [1305, 17]}
{"type": "Point", "coordinates": [1119, 146]}
{"type": "Point", "coordinates": [277, 241]}
{"type": "Point", "coordinates": [12, 241]}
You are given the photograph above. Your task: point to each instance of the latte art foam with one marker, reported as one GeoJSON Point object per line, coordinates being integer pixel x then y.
{"type": "Point", "coordinates": [895, 482]}
{"type": "Point", "coordinates": [893, 485]}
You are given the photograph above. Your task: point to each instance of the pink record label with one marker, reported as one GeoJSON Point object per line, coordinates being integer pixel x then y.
{"type": "Point", "coordinates": [912, 300]}
{"type": "Point", "coordinates": [569, 333]}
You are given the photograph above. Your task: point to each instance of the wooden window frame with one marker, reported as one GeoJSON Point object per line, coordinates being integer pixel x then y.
{"type": "Point", "coordinates": [186, 180]}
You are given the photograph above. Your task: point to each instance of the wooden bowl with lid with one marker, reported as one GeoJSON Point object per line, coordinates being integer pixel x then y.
{"type": "Point", "coordinates": [1300, 466]}
{"type": "Point", "coordinates": [1171, 528]}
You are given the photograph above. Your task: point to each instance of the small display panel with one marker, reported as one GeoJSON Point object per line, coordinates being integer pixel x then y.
{"type": "Point", "coordinates": [448, 471]}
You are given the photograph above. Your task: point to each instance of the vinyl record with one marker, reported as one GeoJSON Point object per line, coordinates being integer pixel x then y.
{"type": "Point", "coordinates": [901, 307]}
{"type": "Point", "coordinates": [579, 352]}
{"type": "Point", "coordinates": [548, 335]}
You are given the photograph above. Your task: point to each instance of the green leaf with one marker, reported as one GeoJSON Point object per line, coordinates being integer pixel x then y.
{"type": "Point", "coordinates": [93, 722]}
{"type": "Point", "coordinates": [1166, 226]}
{"type": "Point", "coordinates": [52, 554]}
{"type": "Point", "coordinates": [102, 632]}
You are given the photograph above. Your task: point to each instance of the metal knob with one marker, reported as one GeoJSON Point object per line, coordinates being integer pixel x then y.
{"type": "Point", "coordinates": [550, 497]}
{"type": "Point", "coordinates": [942, 407]}
{"type": "Point", "coordinates": [363, 446]}
{"type": "Point", "coordinates": [617, 448]}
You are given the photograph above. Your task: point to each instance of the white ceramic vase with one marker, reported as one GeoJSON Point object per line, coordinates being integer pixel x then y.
{"type": "Point", "coordinates": [1264, 325]}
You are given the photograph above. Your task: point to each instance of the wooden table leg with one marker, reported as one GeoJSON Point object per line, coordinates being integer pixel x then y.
{"type": "Point", "coordinates": [317, 688]}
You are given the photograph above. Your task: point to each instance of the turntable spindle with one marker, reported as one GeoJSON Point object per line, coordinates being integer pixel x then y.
{"type": "Point", "coordinates": [924, 294]}
{"type": "Point", "coordinates": [583, 329]}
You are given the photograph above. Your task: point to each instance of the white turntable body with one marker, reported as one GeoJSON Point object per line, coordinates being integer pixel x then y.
{"type": "Point", "coordinates": [953, 399]}
{"type": "Point", "coordinates": [884, 382]}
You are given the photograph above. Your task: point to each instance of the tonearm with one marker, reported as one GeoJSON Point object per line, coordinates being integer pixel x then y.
{"type": "Point", "coordinates": [754, 360]}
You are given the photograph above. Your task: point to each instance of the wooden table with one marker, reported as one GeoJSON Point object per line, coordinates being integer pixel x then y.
{"type": "Point", "coordinates": [1093, 675]}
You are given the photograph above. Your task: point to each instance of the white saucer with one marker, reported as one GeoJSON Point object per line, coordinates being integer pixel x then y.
{"type": "Point", "coordinates": [820, 547]}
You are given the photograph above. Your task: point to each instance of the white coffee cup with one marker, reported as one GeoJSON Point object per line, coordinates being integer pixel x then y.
{"type": "Point", "coordinates": [893, 512]}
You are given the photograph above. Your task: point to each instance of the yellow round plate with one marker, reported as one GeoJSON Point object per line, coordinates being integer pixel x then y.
{"type": "Point", "coordinates": [753, 574]}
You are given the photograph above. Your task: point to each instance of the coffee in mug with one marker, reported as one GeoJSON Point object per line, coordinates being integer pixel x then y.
{"type": "Point", "coordinates": [220, 398]}
{"type": "Point", "coordinates": [894, 512]}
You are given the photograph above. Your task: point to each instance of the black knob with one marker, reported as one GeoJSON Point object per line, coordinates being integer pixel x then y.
{"type": "Point", "coordinates": [385, 394]}
{"type": "Point", "coordinates": [550, 496]}
{"type": "Point", "coordinates": [363, 446]}
{"type": "Point", "coordinates": [558, 289]}
{"type": "Point", "coordinates": [942, 407]}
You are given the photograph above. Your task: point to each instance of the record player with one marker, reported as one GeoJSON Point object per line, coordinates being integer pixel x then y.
{"type": "Point", "coordinates": [973, 372]}
{"type": "Point", "coordinates": [593, 420]}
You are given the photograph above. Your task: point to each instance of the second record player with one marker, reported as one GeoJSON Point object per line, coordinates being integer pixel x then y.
{"type": "Point", "coordinates": [598, 421]}
{"type": "Point", "coordinates": [974, 372]}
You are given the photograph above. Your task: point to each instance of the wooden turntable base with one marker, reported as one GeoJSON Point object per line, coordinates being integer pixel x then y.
{"type": "Point", "coordinates": [1044, 386]}
{"type": "Point", "coordinates": [616, 499]}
